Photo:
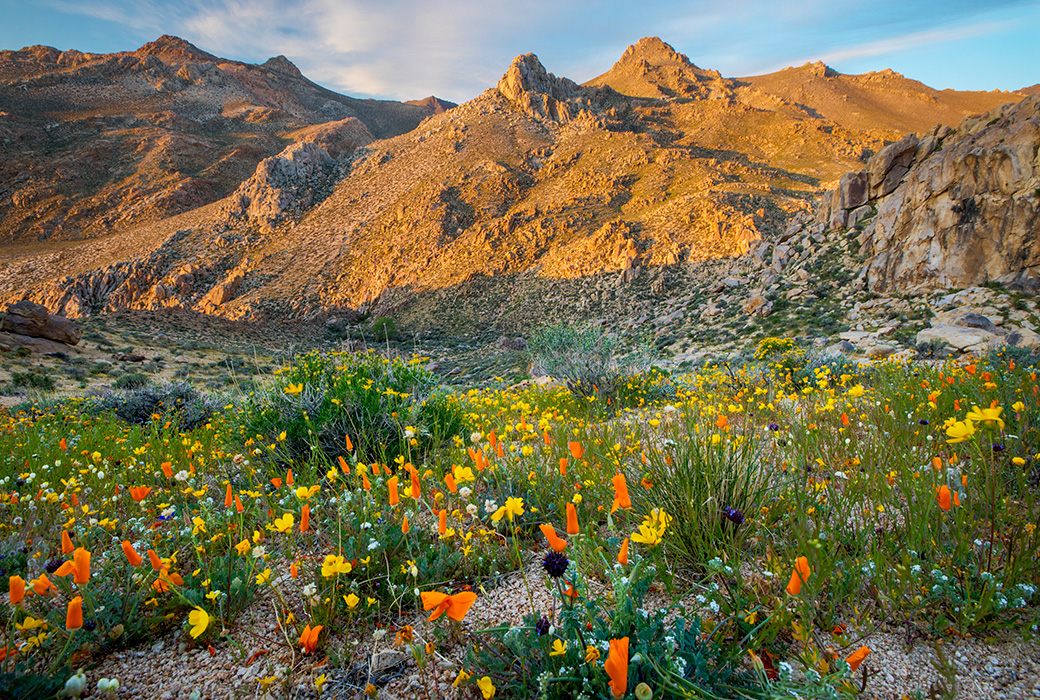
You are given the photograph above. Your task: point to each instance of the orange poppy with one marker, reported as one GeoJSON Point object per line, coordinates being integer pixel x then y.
{"type": "Point", "coordinates": [616, 666]}
{"type": "Point", "coordinates": [167, 470]}
{"type": "Point", "coordinates": [154, 559]}
{"type": "Point", "coordinates": [305, 518]}
{"type": "Point", "coordinates": [309, 638]}
{"type": "Point", "coordinates": [74, 616]}
{"type": "Point", "coordinates": [405, 527]}
{"type": "Point", "coordinates": [563, 466]}
{"type": "Point", "coordinates": [555, 541]}
{"type": "Point", "coordinates": [856, 658]}
{"type": "Point", "coordinates": [276, 482]}
{"type": "Point", "coordinates": [289, 478]}
{"type": "Point", "coordinates": [238, 505]}
{"type": "Point", "coordinates": [132, 556]}
{"type": "Point", "coordinates": [572, 520]}
{"type": "Point", "coordinates": [81, 559]}
{"type": "Point", "coordinates": [456, 606]}
{"type": "Point", "coordinates": [66, 543]}
{"type": "Point", "coordinates": [348, 443]}
{"type": "Point", "coordinates": [799, 575]}
{"type": "Point", "coordinates": [576, 448]}
{"type": "Point", "coordinates": [16, 589]}
{"type": "Point", "coordinates": [944, 497]}
{"type": "Point", "coordinates": [42, 585]}
{"type": "Point", "coordinates": [844, 418]}
{"type": "Point", "coordinates": [449, 480]}
{"type": "Point", "coordinates": [138, 493]}
{"type": "Point", "coordinates": [442, 521]}
{"type": "Point", "coordinates": [343, 465]}
{"type": "Point", "coordinates": [229, 497]}
{"type": "Point", "coordinates": [416, 488]}
{"type": "Point", "coordinates": [622, 556]}
{"type": "Point", "coordinates": [493, 439]}
{"type": "Point", "coordinates": [621, 499]}
{"type": "Point", "coordinates": [394, 498]}
{"type": "Point", "coordinates": [721, 422]}
{"type": "Point", "coordinates": [365, 483]}
{"type": "Point", "coordinates": [62, 444]}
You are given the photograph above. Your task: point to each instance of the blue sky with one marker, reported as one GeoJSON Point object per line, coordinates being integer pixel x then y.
{"type": "Point", "coordinates": [405, 49]}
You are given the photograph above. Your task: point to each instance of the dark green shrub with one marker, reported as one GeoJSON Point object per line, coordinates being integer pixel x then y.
{"type": "Point", "coordinates": [134, 380]}
{"type": "Point", "coordinates": [34, 378]}
{"type": "Point", "coordinates": [384, 329]}
{"type": "Point", "coordinates": [177, 401]}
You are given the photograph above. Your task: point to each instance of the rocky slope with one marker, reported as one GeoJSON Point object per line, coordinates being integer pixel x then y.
{"type": "Point", "coordinates": [92, 144]}
{"type": "Point", "coordinates": [539, 199]}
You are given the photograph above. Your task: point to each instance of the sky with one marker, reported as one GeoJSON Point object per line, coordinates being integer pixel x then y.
{"type": "Point", "coordinates": [455, 49]}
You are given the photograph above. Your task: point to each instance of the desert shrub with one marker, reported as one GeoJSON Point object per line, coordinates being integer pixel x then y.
{"type": "Point", "coordinates": [177, 401]}
{"type": "Point", "coordinates": [384, 329]}
{"type": "Point", "coordinates": [771, 346]}
{"type": "Point", "coordinates": [589, 360]}
{"type": "Point", "coordinates": [387, 407]}
{"type": "Point", "coordinates": [34, 378]}
{"type": "Point", "coordinates": [133, 380]}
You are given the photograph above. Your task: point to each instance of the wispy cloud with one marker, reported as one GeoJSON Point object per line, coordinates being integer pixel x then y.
{"type": "Point", "coordinates": [456, 48]}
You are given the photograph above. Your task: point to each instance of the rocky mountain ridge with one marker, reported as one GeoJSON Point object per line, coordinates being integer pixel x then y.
{"type": "Point", "coordinates": [539, 199]}
{"type": "Point", "coordinates": [93, 144]}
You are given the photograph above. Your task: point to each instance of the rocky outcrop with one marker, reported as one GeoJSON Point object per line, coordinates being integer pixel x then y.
{"type": "Point", "coordinates": [34, 320]}
{"type": "Point", "coordinates": [282, 185]}
{"type": "Point", "coordinates": [538, 93]}
{"type": "Point", "coordinates": [954, 208]}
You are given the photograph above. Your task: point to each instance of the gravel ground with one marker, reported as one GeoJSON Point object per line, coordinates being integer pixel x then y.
{"type": "Point", "coordinates": [1004, 667]}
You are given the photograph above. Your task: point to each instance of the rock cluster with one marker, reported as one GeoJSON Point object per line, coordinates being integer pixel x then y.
{"type": "Point", "coordinates": [954, 208]}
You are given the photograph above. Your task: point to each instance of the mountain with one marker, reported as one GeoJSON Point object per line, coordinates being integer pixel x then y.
{"type": "Point", "coordinates": [93, 144]}
{"type": "Point", "coordinates": [538, 199]}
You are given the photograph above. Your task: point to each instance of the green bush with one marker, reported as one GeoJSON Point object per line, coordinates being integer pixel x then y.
{"type": "Point", "coordinates": [387, 407]}
{"type": "Point", "coordinates": [134, 380]}
{"type": "Point", "coordinates": [34, 378]}
{"type": "Point", "coordinates": [384, 329]}
{"type": "Point", "coordinates": [177, 401]}
{"type": "Point", "coordinates": [589, 360]}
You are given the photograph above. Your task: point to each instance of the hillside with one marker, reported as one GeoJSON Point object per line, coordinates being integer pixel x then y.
{"type": "Point", "coordinates": [93, 144]}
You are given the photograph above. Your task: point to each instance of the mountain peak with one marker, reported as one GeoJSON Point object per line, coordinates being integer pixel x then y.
{"type": "Point", "coordinates": [168, 48]}
{"type": "Point", "coordinates": [283, 65]}
{"type": "Point", "coordinates": [652, 68]}
{"type": "Point", "coordinates": [655, 52]}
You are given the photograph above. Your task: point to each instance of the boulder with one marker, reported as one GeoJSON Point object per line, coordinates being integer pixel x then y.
{"type": "Point", "coordinates": [757, 305]}
{"type": "Point", "coordinates": [13, 341]}
{"type": "Point", "coordinates": [961, 338]}
{"type": "Point", "coordinates": [34, 320]}
{"type": "Point", "coordinates": [887, 168]}
{"type": "Point", "coordinates": [852, 190]}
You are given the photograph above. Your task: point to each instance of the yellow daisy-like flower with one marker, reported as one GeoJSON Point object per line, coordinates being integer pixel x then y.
{"type": "Point", "coordinates": [959, 431]}
{"type": "Point", "coordinates": [199, 621]}
{"type": "Point", "coordinates": [264, 576]}
{"type": "Point", "coordinates": [558, 648]}
{"type": "Point", "coordinates": [591, 654]}
{"type": "Point", "coordinates": [243, 547]}
{"type": "Point", "coordinates": [461, 678]}
{"type": "Point", "coordinates": [334, 566]}
{"type": "Point", "coordinates": [462, 474]}
{"type": "Point", "coordinates": [294, 389]}
{"type": "Point", "coordinates": [282, 524]}
{"type": "Point", "coordinates": [487, 688]}
{"type": "Point", "coordinates": [351, 601]}
{"type": "Point", "coordinates": [513, 507]}
{"type": "Point", "coordinates": [987, 416]}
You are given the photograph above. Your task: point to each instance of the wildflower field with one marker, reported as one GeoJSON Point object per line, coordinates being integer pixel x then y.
{"type": "Point", "coordinates": [731, 532]}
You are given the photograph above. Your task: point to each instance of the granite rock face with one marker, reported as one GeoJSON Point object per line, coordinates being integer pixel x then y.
{"type": "Point", "coordinates": [955, 208]}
